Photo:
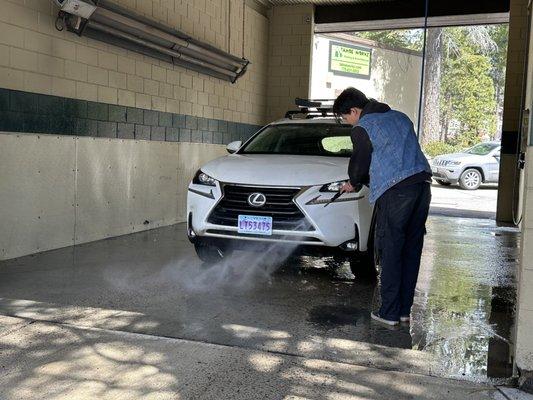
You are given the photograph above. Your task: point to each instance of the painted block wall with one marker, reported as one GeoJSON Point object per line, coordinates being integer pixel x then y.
{"type": "Point", "coordinates": [289, 71]}
{"type": "Point", "coordinates": [36, 58]}
{"type": "Point", "coordinates": [524, 313]}
{"type": "Point", "coordinates": [132, 129]}
{"type": "Point", "coordinates": [511, 111]}
{"type": "Point", "coordinates": [125, 109]}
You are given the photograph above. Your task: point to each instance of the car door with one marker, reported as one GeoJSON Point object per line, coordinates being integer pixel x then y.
{"type": "Point", "coordinates": [493, 165]}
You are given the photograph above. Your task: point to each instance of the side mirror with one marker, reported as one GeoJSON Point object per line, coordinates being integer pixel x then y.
{"type": "Point", "coordinates": [234, 146]}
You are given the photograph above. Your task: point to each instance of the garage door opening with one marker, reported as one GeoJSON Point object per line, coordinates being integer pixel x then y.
{"type": "Point", "coordinates": [462, 113]}
{"type": "Point", "coordinates": [451, 84]}
{"type": "Point", "coordinates": [455, 101]}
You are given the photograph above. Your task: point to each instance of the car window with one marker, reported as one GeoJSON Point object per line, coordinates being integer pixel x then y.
{"type": "Point", "coordinates": [482, 149]}
{"type": "Point", "coordinates": [338, 144]}
{"type": "Point", "coordinates": [331, 140]}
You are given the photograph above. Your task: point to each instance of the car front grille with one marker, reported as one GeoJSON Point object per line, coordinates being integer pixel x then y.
{"type": "Point", "coordinates": [279, 205]}
{"type": "Point", "coordinates": [440, 163]}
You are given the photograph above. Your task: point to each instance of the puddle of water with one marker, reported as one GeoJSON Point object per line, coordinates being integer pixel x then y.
{"type": "Point", "coordinates": [333, 316]}
{"type": "Point", "coordinates": [464, 305]}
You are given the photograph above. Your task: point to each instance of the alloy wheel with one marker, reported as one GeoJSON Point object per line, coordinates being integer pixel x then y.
{"type": "Point", "coordinates": [470, 180]}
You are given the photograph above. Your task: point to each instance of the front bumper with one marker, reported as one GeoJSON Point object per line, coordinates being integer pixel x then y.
{"type": "Point", "coordinates": [346, 220]}
{"type": "Point", "coordinates": [449, 174]}
{"type": "Point", "coordinates": [267, 247]}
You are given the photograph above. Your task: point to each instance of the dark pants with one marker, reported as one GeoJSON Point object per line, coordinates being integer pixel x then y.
{"type": "Point", "coordinates": [401, 218]}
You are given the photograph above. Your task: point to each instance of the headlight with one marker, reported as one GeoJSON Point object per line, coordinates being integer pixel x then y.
{"type": "Point", "coordinates": [453, 162]}
{"type": "Point", "coordinates": [203, 179]}
{"type": "Point", "coordinates": [333, 186]}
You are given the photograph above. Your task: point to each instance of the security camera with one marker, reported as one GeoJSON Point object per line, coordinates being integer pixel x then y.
{"type": "Point", "coordinates": [79, 8]}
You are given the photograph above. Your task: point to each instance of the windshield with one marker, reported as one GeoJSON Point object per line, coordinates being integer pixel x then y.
{"type": "Point", "coordinates": [482, 149]}
{"type": "Point", "coordinates": [330, 140]}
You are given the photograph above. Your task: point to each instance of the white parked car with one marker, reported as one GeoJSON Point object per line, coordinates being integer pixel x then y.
{"type": "Point", "coordinates": [275, 188]}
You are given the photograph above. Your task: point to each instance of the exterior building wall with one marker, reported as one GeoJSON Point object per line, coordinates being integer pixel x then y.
{"type": "Point", "coordinates": [394, 75]}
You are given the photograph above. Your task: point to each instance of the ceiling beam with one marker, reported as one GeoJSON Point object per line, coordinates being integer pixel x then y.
{"type": "Point", "coordinates": [406, 9]}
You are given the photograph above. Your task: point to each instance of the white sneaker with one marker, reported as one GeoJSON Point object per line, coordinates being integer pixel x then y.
{"type": "Point", "coordinates": [376, 317]}
{"type": "Point", "coordinates": [405, 318]}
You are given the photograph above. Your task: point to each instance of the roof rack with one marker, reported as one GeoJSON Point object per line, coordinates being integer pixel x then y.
{"type": "Point", "coordinates": [312, 108]}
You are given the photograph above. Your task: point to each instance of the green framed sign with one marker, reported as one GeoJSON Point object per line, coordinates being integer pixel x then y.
{"type": "Point", "coordinates": [349, 60]}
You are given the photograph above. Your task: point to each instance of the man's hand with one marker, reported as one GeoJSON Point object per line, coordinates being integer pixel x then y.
{"type": "Point", "coordinates": [347, 188]}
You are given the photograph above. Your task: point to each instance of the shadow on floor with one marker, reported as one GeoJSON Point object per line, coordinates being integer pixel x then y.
{"type": "Point", "coordinates": [152, 283]}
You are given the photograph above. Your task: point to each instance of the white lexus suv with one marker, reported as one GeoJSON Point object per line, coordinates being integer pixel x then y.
{"type": "Point", "coordinates": [278, 187]}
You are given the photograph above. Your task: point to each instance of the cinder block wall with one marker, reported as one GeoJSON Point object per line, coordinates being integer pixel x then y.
{"type": "Point", "coordinates": [511, 113]}
{"type": "Point", "coordinates": [524, 317]}
{"type": "Point", "coordinates": [291, 38]}
{"type": "Point", "coordinates": [56, 83]}
{"type": "Point", "coordinates": [36, 58]}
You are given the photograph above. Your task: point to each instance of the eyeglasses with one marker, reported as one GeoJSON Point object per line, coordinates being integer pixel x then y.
{"type": "Point", "coordinates": [344, 117]}
{"type": "Point", "coordinates": [341, 117]}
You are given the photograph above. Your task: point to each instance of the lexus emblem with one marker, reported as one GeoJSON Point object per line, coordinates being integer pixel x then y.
{"type": "Point", "coordinates": [257, 200]}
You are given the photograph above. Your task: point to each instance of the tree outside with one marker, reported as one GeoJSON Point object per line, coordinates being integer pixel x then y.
{"type": "Point", "coordinates": [463, 85]}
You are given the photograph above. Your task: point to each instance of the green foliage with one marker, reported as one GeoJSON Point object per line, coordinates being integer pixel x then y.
{"type": "Point", "coordinates": [472, 79]}
{"type": "Point", "coordinates": [468, 85]}
{"type": "Point", "coordinates": [401, 38]}
{"type": "Point", "coordinates": [468, 91]}
{"type": "Point", "coordinates": [438, 148]}
{"type": "Point", "coordinates": [498, 58]}
{"type": "Point", "coordinates": [475, 39]}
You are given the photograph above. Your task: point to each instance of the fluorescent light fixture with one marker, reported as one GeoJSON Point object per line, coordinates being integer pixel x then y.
{"type": "Point", "coordinates": [113, 24]}
{"type": "Point", "coordinates": [76, 7]}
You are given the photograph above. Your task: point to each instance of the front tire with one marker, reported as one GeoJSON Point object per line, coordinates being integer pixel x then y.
{"type": "Point", "coordinates": [209, 253]}
{"type": "Point", "coordinates": [364, 266]}
{"type": "Point", "coordinates": [470, 179]}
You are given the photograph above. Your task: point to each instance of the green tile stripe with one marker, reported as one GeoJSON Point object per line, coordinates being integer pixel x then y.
{"type": "Point", "coordinates": [38, 113]}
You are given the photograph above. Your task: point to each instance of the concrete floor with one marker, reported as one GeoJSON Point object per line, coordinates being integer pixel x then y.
{"type": "Point", "coordinates": [456, 202]}
{"type": "Point", "coordinates": [307, 312]}
{"type": "Point", "coordinates": [58, 361]}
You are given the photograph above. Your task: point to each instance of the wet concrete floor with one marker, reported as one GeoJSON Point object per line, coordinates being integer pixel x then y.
{"type": "Point", "coordinates": [152, 283]}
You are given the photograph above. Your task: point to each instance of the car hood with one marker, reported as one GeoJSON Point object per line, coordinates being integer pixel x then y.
{"type": "Point", "coordinates": [462, 157]}
{"type": "Point", "coordinates": [278, 170]}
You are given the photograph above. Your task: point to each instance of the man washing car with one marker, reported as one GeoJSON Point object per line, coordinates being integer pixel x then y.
{"type": "Point", "coordinates": [387, 157]}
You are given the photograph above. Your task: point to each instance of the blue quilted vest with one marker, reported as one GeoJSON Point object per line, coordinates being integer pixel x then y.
{"type": "Point", "coordinates": [396, 152]}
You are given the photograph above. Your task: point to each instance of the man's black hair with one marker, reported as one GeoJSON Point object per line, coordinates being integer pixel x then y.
{"type": "Point", "coordinates": [349, 98]}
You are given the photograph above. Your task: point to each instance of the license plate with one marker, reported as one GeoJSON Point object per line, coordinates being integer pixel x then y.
{"type": "Point", "coordinates": [256, 225]}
